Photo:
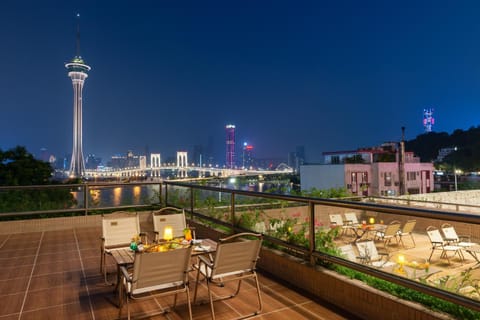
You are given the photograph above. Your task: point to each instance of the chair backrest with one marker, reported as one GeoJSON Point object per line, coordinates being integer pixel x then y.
{"type": "Point", "coordinates": [347, 252]}
{"type": "Point", "coordinates": [409, 226]}
{"type": "Point", "coordinates": [449, 232]}
{"type": "Point", "coordinates": [119, 230]}
{"type": "Point", "coordinates": [434, 235]}
{"type": "Point", "coordinates": [391, 229]}
{"type": "Point", "coordinates": [367, 249]}
{"type": "Point", "coordinates": [160, 270]}
{"type": "Point", "coordinates": [236, 255]}
{"type": "Point", "coordinates": [174, 220]}
{"type": "Point", "coordinates": [336, 219]}
{"type": "Point", "coordinates": [351, 217]}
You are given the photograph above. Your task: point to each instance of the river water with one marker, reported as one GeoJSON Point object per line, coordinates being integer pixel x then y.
{"type": "Point", "coordinates": [126, 195]}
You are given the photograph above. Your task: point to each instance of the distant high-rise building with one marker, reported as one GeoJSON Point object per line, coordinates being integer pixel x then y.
{"type": "Point", "coordinates": [247, 156]}
{"type": "Point", "coordinates": [428, 120]}
{"type": "Point", "coordinates": [198, 155]}
{"type": "Point", "coordinates": [230, 146]}
{"type": "Point", "coordinates": [93, 162]}
{"type": "Point", "coordinates": [297, 158]}
{"type": "Point", "coordinates": [77, 71]}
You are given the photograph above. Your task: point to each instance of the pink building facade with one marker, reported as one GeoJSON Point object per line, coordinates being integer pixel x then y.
{"type": "Point", "coordinates": [370, 172]}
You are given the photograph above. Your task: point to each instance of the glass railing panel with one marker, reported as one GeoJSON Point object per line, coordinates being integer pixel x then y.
{"type": "Point", "coordinates": [178, 196]}
{"type": "Point", "coordinates": [38, 198]}
{"type": "Point", "coordinates": [108, 196]}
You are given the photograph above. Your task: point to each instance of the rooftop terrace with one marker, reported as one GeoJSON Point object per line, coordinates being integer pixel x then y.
{"type": "Point", "coordinates": [52, 265]}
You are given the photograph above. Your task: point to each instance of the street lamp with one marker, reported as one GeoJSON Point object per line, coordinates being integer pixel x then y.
{"type": "Point", "coordinates": [455, 171]}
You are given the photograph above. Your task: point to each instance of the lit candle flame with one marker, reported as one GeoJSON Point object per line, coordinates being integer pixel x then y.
{"type": "Point", "coordinates": [168, 233]}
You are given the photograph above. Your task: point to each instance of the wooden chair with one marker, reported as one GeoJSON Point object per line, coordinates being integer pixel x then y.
{"type": "Point", "coordinates": [157, 274]}
{"type": "Point", "coordinates": [118, 229]}
{"type": "Point", "coordinates": [162, 219]}
{"type": "Point", "coordinates": [234, 260]}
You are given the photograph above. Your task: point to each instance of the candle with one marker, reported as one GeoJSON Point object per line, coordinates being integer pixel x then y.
{"type": "Point", "coordinates": [401, 259]}
{"type": "Point", "coordinates": [371, 220]}
{"type": "Point", "coordinates": [168, 233]}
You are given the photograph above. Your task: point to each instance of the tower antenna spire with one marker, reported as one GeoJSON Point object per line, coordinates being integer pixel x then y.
{"type": "Point", "coordinates": [78, 35]}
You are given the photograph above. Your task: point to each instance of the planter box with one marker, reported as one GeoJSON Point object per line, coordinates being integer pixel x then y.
{"type": "Point", "coordinates": [348, 294]}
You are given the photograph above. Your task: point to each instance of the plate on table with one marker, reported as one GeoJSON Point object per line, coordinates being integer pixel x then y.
{"type": "Point", "coordinates": [202, 248]}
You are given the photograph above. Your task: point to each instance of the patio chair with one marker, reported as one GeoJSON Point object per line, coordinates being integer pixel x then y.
{"type": "Point", "coordinates": [234, 260]}
{"type": "Point", "coordinates": [157, 274]}
{"type": "Point", "coordinates": [368, 254]}
{"type": "Point", "coordinates": [438, 243]}
{"type": "Point", "coordinates": [450, 236]}
{"type": "Point", "coordinates": [351, 219]}
{"type": "Point", "coordinates": [118, 229]}
{"type": "Point", "coordinates": [162, 219]}
{"type": "Point", "coordinates": [389, 233]}
{"type": "Point", "coordinates": [407, 230]}
{"type": "Point", "coordinates": [348, 252]}
{"type": "Point", "coordinates": [336, 220]}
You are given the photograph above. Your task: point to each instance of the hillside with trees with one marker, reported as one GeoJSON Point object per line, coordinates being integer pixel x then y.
{"type": "Point", "coordinates": [466, 157]}
{"type": "Point", "coordinates": [20, 168]}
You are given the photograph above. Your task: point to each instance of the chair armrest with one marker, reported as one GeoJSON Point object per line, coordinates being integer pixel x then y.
{"type": "Point", "coordinates": [125, 274]}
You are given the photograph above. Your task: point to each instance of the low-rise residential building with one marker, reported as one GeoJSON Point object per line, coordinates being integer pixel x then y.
{"type": "Point", "coordinates": [373, 171]}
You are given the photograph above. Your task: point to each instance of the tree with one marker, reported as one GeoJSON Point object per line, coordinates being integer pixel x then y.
{"type": "Point", "coordinates": [19, 168]}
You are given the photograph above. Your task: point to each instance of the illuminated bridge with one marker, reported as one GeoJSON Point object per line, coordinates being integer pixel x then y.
{"type": "Point", "coordinates": [181, 169]}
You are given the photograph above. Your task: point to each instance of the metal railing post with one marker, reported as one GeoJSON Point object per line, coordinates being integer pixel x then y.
{"type": "Point", "coordinates": [311, 227]}
{"type": "Point", "coordinates": [232, 210]}
{"type": "Point", "coordinates": [85, 197]}
{"type": "Point", "coordinates": [192, 202]}
{"type": "Point", "coordinates": [166, 195]}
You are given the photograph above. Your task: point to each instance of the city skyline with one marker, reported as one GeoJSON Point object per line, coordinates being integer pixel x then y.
{"type": "Point", "coordinates": [170, 76]}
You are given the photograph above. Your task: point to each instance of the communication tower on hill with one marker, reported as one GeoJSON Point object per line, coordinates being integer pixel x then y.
{"type": "Point", "coordinates": [428, 120]}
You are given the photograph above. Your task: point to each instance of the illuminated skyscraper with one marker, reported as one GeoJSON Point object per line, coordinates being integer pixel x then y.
{"type": "Point", "coordinates": [77, 71]}
{"type": "Point", "coordinates": [230, 141]}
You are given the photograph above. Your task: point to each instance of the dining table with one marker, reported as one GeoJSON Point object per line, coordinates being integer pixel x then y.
{"type": "Point", "coordinates": [364, 231]}
{"type": "Point", "coordinates": [125, 257]}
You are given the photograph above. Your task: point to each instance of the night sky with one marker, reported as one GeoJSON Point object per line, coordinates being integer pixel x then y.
{"type": "Point", "coordinates": [327, 75]}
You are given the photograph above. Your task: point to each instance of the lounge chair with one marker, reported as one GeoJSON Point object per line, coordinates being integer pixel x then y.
{"type": "Point", "coordinates": [450, 236]}
{"type": "Point", "coordinates": [157, 274]}
{"type": "Point", "coordinates": [234, 260]}
{"type": "Point", "coordinates": [118, 229]}
{"type": "Point", "coordinates": [351, 219]}
{"type": "Point", "coordinates": [368, 254]}
{"type": "Point", "coordinates": [407, 230]}
{"type": "Point", "coordinates": [348, 252]}
{"type": "Point", "coordinates": [336, 220]}
{"type": "Point", "coordinates": [438, 243]}
{"type": "Point", "coordinates": [389, 233]}
{"type": "Point", "coordinates": [162, 218]}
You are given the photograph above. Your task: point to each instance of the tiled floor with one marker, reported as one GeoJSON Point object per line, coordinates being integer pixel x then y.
{"type": "Point", "coordinates": [55, 275]}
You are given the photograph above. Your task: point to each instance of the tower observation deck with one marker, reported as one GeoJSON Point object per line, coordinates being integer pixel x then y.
{"type": "Point", "coordinates": [77, 71]}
